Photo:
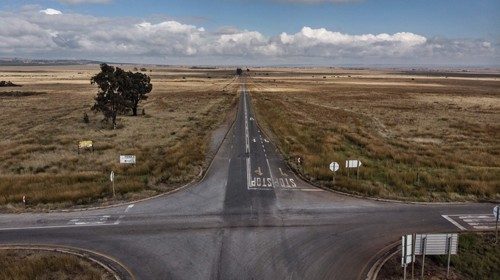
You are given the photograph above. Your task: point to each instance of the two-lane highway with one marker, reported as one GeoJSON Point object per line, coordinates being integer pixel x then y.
{"type": "Point", "coordinates": [250, 217]}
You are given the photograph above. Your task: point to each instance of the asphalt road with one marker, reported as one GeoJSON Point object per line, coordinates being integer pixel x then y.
{"type": "Point", "coordinates": [250, 217]}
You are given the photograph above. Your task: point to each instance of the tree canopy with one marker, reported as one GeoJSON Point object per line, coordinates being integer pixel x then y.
{"type": "Point", "coordinates": [119, 91]}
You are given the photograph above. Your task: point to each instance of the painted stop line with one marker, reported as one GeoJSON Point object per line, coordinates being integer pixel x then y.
{"type": "Point", "coordinates": [472, 221]}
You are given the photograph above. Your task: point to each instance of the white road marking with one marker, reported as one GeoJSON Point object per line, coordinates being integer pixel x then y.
{"type": "Point", "coordinates": [283, 173]}
{"type": "Point", "coordinates": [270, 172]}
{"type": "Point", "coordinates": [306, 190]}
{"type": "Point", "coordinates": [484, 227]}
{"type": "Point", "coordinates": [129, 207]}
{"type": "Point", "coordinates": [453, 222]}
{"type": "Point", "coordinates": [50, 227]}
{"type": "Point", "coordinates": [248, 172]}
{"type": "Point", "coordinates": [247, 134]}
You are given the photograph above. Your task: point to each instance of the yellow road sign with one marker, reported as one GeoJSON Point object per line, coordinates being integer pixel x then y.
{"type": "Point", "coordinates": [85, 144]}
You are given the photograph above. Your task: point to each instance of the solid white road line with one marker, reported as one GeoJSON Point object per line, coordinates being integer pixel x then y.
{"type": "Point", "coordinates": [50, 227]}
{"type": "Point", "coordinates": [270, 172]}
{"type": "Point", "coordinates": [480, 216]}
{"type": "Point", "coordinates": [453, 222]}
{"type": "Point", "coordinates": [248, 173]}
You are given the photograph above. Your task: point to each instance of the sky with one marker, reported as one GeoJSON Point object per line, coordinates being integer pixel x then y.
{"type": "Point", "coordinates": [255, 32]}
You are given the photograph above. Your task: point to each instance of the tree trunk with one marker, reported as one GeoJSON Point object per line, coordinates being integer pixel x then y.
{"type": "Point", "coordinates": [114, 120]}
{"type": "Point", "coordinates": [134, 111]}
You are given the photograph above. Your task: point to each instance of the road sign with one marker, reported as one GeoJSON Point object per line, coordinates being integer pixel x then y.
{"type": "Point", "coordinates": [352, 163]}
{"type": "Point", "coordinates": [127, 159]}
{"type": "Point", "coordinates": [334, 166]}
{"type": "Point", "coordinates": [406, 249]}
{"type": "Point", "coordinates": [85, 144]}
{"type": "Point", "coordinates": [436, 244]}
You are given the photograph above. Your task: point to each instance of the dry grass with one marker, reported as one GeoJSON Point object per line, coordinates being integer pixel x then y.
{"type": "Point", "coordinates": [45, 265]}
{"type": "Point", "coordinates": [42, 126]}
{"type": "Point", "coordinates": [478, 258]}
{"type": "Point", "coordinates": [425, 138]}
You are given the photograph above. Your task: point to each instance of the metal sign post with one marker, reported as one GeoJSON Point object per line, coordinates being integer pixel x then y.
{"type": "Point", "coordinates": [435, 244]}
{"type": "Point", "coordinates": [496, 212]}
{"type": "Point", "coordinates": [334, 167]}
{"type": "Point", "coordinates": [424, 247]}
{"type": "Point", "coordinates": [112, 179]}
{"type": "Point", "coordinates": [406, 252]}
{"type": "Point", "coordinates": [448, 248]}
{"type": "Point", "coordinates": [353, 163]}
{"type": "Point", "coordinates": [413, 256]}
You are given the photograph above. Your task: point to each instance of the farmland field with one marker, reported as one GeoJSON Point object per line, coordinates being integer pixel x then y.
{"type": "Point", "coordinates": [425, 136]}
{"type": "Point", "coordinates": [42, 123]}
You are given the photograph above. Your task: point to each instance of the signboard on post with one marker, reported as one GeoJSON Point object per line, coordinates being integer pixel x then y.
{"type": "Point", "coordinates": [436, 244]}
{"type": "Point", "coordinates": [406, 249]}
{"type": "Point", "coordinates": [407, 255]}
{"type": "Point", "coordinates": [87, 144]}
{"type": "Point", "coordinates": [127, 159]}
{"type": "Point", "coordinates": [352, 163]}
{"type": "Point", "coordinates": [334, 166]}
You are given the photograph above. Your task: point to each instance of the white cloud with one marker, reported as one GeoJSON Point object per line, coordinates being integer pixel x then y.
{"type": "Point", "coordinates": [51, 12]}
{"type": "Point", "coordinates": [31, 32]}
{"type": "Point", "coordinates": [75, 2]}
{"type": "Point", "coordinates": [319, 1]}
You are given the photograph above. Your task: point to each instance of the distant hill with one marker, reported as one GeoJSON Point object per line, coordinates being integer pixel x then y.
{"type": "Point", "coordinates": [44, 62]}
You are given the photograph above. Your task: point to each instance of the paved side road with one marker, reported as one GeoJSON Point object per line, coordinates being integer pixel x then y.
{"type": "Point", "coordinates": [249, 218]}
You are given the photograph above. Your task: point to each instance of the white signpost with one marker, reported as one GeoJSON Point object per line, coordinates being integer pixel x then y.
{"type": "Point", "coordinates": [353, 163]}
{"type": "Point", "coordinates": [112, 179]}
{"type": "Point", "coordinates": [496, 212]}
{"type": "Point", "coordinates": [436, 244]}
{"type": "Point", "coordinates": [127, 159]}
{"type": "Point", "coordinates": [334, 167]}
{"type": "Point", "coordinates": [406, 252]}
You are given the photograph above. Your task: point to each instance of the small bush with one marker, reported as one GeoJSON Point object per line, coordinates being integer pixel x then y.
{"type": "Point", "coordinates": [86, 118]}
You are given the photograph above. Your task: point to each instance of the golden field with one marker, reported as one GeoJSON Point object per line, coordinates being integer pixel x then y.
{"type": "Point", "coordinates": [37, 264]}
{"type": "Point", "coordinates": [42, 124]}
{"type": "Point", "coordinates": [423, 136]}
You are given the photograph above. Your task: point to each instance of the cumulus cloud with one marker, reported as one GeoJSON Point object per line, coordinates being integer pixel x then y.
{"type": "Point", "coordinates": [51, 12]}
{"type": "Point", "coordinates": [31, 32]}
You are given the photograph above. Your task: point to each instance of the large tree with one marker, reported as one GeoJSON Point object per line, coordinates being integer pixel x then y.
{"type": "Point", "coordinates": [109, 99]}
{"type": "Point", "coordinates": [119, 91]}
{"type": "Point", "coordinates": [137, 86]}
